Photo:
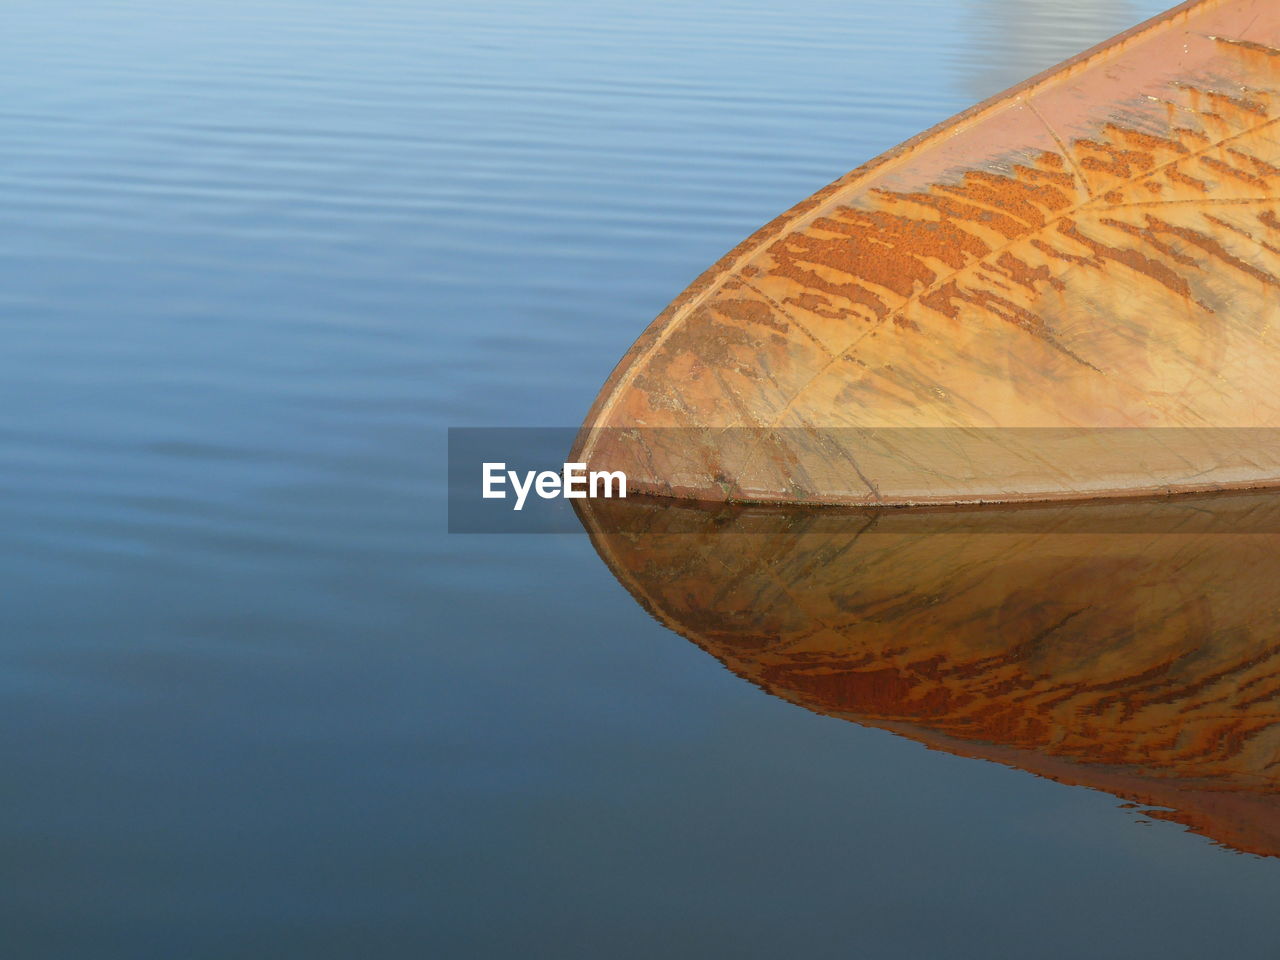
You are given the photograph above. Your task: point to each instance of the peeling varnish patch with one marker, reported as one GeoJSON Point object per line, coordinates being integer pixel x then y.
{"type": "Point", "coordinates": [783, 311]}
{"type": "Point", "coordinates": [930, 297]}
{"type": "Point", "coordinates": [1249, 45]}
{"type": "Point", "coordinates": [1064, 151]}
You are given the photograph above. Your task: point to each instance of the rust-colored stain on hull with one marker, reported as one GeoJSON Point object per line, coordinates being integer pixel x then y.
{"type": "Point", "coordinates": [1098, 247]}
{"type": "Point", "coordinates": [1132, 646]}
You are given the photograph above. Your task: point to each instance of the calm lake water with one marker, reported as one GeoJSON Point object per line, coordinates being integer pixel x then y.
{"type": "Point", "coordinates": [257, 703]}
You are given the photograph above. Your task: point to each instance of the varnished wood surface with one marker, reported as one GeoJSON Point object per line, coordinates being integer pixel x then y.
{"type": "Point", "coordinates": [1097, 248]}
{"type": "Point", "coordinates": [1133, 647]}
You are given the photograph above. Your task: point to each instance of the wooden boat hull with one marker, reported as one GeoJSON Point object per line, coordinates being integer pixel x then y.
{"type": "Point", "coordinates": [1098, 249]}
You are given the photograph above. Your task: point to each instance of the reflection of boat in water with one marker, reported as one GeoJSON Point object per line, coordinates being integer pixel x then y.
{"type": "Point", "coordinates": [1098, 247]}
{"type": "Point", "coordinates": [1133, 647]}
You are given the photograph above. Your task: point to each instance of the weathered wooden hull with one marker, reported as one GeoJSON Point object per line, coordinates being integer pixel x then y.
{"type": "Point", "coordinates": [1131, 646]}
{"type": "Point", "coordinates": [1096, 249]}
